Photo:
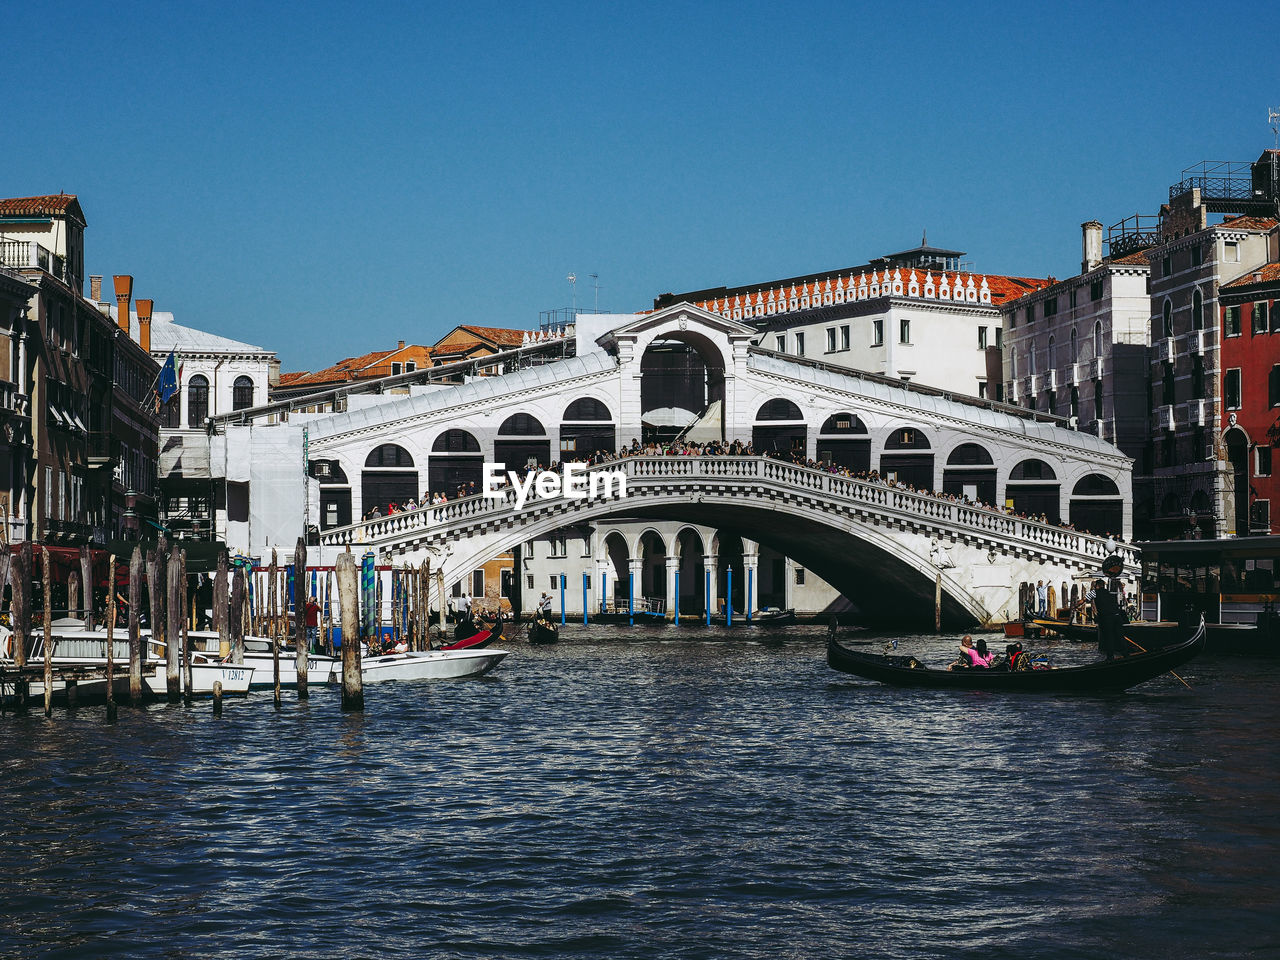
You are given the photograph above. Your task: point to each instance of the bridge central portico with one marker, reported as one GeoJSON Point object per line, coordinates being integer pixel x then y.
{"type": "Point", "coordinates": [911, 475]}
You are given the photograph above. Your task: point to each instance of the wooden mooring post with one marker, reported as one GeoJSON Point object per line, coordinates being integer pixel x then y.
{"type": "Point", "coordinates": [20, 615]}
{"type": "Point", "coordinates": [300, 599]}
{"type": "Point", "coordinates": [235, 616]}
{"type": "Point", "coordinates": [111, 639]}
{"type": "Point", "coordinates": [135, 629]}
{"type": "Point", "coordinates": [73, 594]}
{"type": "Point", "coordinates": [86, 578]}
{"type": "Point", "coordinates": [217, 698]}
{"type": "Point", "coordinates": [274, 610]}
{"type": "Point", "coordinates": [348, 593]}
{"type": "Point", "coordinates": [47, 583]}
{"type": "Point", "coordinates": [175, 588]}
{"type": "Point", "coordinates": [186, 620]}
{"type": "Point", "coordinates": [221, 614]}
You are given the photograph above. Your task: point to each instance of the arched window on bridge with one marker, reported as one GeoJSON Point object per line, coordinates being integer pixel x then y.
{"type": "Point", "coordinates": [907, 458]}
{"type": "Point", "coordinates": [844, 441]}
{"type": "Point", "coordinates": [1096, 506]}
{"type": "Point", "coordinates": [1033, 490]}
{"type": "Point", "coordinates": [335, 493]}
{"type": "Point", "coordinates": [780, 429]}
{"type": "Point", "coordinates": [389, 477]}
{"type": "Point", "coordinates": [522, 442]}
{"type": "Point", "coordinates": [197, 400]}
{"type": "Point", "coordinates": [971, 473]}
{"type": "Point", "coordinates": [586, 427]}
{"type": "Point", "coordinates": [456, 462]}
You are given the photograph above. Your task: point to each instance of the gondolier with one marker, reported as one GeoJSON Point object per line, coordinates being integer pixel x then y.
{"type": "Point", "coordinates": [1106, 614]}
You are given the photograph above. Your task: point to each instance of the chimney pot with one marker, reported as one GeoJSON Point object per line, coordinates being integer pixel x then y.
{"type": "Point", "coordinates": [95, 289]}
{"type": "Point", "coordinates": [400, 345]}
{"type": "Point", "coordinates": [124, 293]}
{"type": "Point", "coordinates": [1090, 245]}
{"type": "Point", "coordinates": [144, 324]}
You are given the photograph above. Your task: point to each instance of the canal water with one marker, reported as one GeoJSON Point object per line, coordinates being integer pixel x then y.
{"type": "Point", "coordinates": [652, 793]}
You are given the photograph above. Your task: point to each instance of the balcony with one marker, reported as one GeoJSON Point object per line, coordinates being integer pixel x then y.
{"type": "Point", "coordinates": [1032, 385]}
{"type": "Point", "coordinates": [1163, 417]}
{"type": "Point", "coordinates": [27, 254]}
{"type": "Point", "coordinates": [1096, 368]}
{"type": "Point", "coordinates": [1200, 412]}
{"type": "Point", "coordinates": [1051, 380]}
{"type": "Point", "coordinates": [1166, 352]}
{"type": "Point", "coordinates": [1199, 341]}
{"type": "Point", "coordinates": [100, 449]}
{"type": "Point", "coordinates": [13, 402]}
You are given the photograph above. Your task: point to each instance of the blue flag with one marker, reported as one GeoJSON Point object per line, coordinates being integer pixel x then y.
{"type": "Point", "coordinates": [167, 385]}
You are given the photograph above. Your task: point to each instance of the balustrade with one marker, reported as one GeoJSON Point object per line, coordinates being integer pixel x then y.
{"type": "Point", "coordinates": [659, 474]}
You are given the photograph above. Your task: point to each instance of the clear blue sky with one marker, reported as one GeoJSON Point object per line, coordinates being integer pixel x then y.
{"type": "Point", "coordinates": [325, 179]}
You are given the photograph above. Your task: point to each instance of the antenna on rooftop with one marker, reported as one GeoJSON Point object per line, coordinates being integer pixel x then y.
{"type": "Point", "coordinates": [573, 283]}
{"type": "Point", "coordinates": [1273, 118]}
{"type": "Point", "coordinates": [595, 284]}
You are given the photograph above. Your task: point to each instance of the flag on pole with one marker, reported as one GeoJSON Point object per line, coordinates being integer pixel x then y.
{"type": "Point", "coordinates": [167, 385]}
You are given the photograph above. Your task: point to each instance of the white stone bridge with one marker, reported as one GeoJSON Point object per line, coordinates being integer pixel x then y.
{"type": "Point", "coordinates": [880, 545]}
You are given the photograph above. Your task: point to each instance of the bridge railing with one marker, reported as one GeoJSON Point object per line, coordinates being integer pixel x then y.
{"type": "Point", "coordinates": [834, 488]}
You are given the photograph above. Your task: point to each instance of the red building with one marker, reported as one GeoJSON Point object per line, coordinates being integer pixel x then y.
{"type": "Point", "coordinates": [1250, 385]}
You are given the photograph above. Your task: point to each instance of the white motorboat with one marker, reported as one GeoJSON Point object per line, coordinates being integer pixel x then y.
{"type": "Point", "coordinates": [431, 665]}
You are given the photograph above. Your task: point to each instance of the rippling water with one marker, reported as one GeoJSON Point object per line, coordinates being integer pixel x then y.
{"type": "Point", "coordinates": [656, 793]}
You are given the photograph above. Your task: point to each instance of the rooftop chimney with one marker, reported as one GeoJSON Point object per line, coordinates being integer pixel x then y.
{"type": "Point", "coordinates": [124, 293]}
{"type": "Point", "coordinates": [1091, 245]}
{"type": "Point", "coordinates": [399, 344]}
{"type": "Point", "coordinates": [144, 324]}
{"type": "Point", "coordinates": [95, 289]}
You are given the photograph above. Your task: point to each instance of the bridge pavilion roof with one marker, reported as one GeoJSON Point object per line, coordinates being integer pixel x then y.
{"type": "Point", "coordinates": [481, 388]}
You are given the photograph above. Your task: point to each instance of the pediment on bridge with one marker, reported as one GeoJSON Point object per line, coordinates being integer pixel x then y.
{"type": "Point", "coordinates": [674, 320]}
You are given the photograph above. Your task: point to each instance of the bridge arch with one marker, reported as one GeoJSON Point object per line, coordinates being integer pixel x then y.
{"type": "Point", "coordinates": [908, 458]}
{"type": "Point", "coordinates": [1034, 490]}
{"type": "Point", "coordinates": [1096, 505]}
{"type": "Point", "coordinates": [586, 426]}
{"type": "Point", "coordinates": [390, 475]}
{"type": "Point", "coordinates": [970, 472]}
{"type": "Point", "coordinates": [843, 440]}
{"type": "Point", "coordinates": [522, 442]}
{"type": "Point", "coordinates": [780, 428]}
{"type": "Point", "coordinates": [456, 461]}
{"type": "Point", "coordinates": [682, 378]}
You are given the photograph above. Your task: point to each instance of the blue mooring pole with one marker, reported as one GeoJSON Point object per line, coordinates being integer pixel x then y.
{"type": "Point", "coordinates": [631, 601]}
{"type": "Point", "coordinates": [586, 581]}
{"type": "Point", "coordinates": [562, 580]}
{"type": "Point", "coordinates": [750, 578]}
{"type": "Point", "coordinates": [707, 595]}
{"type": "Point", "coordinates": [604, 582]}
{"type": "Point", "coordinates": [728, 600]}
{"type": "Point", "coordinates": [677, 601]}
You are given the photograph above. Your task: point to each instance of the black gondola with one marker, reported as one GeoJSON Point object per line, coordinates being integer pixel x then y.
{"type": "Point", "coordinates": [543, 631]}
{"type": "Point", "coordinates": [1107, 675]}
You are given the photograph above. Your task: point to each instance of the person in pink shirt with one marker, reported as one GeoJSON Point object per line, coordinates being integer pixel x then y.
{"type": "Point", "coordinates": [973, 657]}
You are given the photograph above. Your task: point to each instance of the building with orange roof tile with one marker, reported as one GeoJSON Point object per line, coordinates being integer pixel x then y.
{"type": "Point", "coordinates": [917, 315]}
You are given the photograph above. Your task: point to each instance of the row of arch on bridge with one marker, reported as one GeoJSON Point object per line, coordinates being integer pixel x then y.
{"type": "Point", "coordinates": [705, 559]}
{"type": "Point", "coordinates": [392, 474]}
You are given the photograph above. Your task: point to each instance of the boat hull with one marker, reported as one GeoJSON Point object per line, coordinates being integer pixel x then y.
{"type": "Point", "coordinates": [434, 665]}
{"type": "Point", "coordinates": [1104, 676]}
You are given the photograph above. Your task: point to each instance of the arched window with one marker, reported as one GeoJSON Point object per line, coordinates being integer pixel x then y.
{"type": "Point", "coordinates": [1095, 485]}
{"type": "Point", "coordinates": [1013, 362]}
{"type": "Point", "coordinates": [1033, 471]}
{"type": "Point", "coordinates": [455, 441]}
{"type": "Point", "coordinates": [1097, 340]}
{"type": "Point", "coordinates": [1197, 309]}
{"type": "Point", "coordinates": [843, 423]}
{"type": "Point", "coordinates": [1031, 358]}
{"type": "Point", "coordinates": [969, 455]}
{"type": "Point", "coordinates": [779, 409]}
{"type": "Point", "coordinates": [242, 394]}
{"type": "Point", "coordinates": [907, 438]}
{"type": "Point", "coordinates": [587, 408]}
{"type": "Point", "coordinates": [389, 455]}
{"type": "Point", "coordinates": [1053, 355]}
{"type": "Point", "coordinates": [1075, 347]}
{"type": "Point", "coordinates": [521, 425]}
{"type": "Point", "coordinates": [1168, 317]}
{"type": "Point", "coordinates": [197, 400]}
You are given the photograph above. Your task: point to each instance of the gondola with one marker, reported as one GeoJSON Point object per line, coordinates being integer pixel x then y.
{"type": "Point", "coordinates": [475, 641]}
{"type": "Point", "coordinates": [543, 631]}
{"type": "Point", "coordinates": [1158, 634]}
{"type": "Point", "coordinates": [1103, 676]}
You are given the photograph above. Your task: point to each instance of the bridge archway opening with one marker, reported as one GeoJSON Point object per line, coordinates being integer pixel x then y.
{"type": "Point", "coordinates": [971, 473]}
{"type": "Point", "coordinates": [729, 554]}
{"type": "Point", "coordinates": [908, 458]}
{"type": "Point", "coordinates": [652, 581]}
{"type": "Point", "coordinates": [780, 429]}
{"type": "Point", "coordinates": [1096, 506]}
{"type": "Point", "coordinates": [845, 442]}
{"type": "Point", "coordinates": [389, 476]}
{"type": "Point", "coordinates": [688, 547]}
{"type": "Point", "coordinates": [1237, 444]}
{"type": "Point", "coordinates": [1033, 489]}
{"type": "Point", "coordinates": [335, 493]}
{"type": "Point", "coordinates": [587, 428]}
{"type": "Point", "coordinates": [682, 379]}
{"type": "Point", "coordinates": [618, 558]}
{"type": "Point", "coordinates": [522, 443]}
{"type": "Point", "coordinates": [456, 462]}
